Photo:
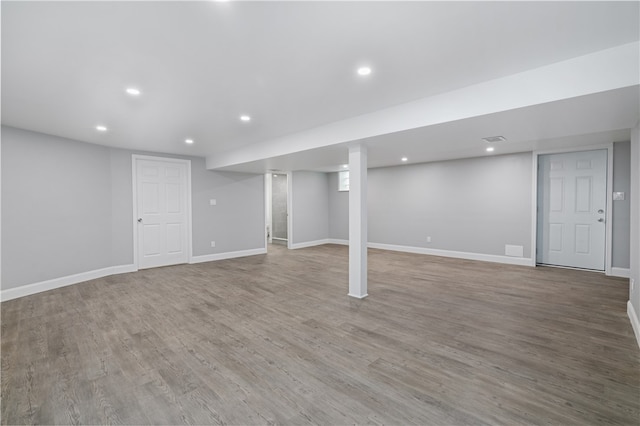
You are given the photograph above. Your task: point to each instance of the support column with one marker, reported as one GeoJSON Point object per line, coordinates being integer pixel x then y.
{"type": "Point", "coordinates": [358, 221]}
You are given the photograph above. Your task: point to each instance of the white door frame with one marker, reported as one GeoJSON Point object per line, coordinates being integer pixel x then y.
{"type": "Point", "coordinates": [534, 199]}
{"type": "Point", "coordinates": [134, 159]}
{"type": "Point", "coordinates": [268, 193]}
{"type": "Point", "coordinates": [289, 209]}
{"type": "Point", "coordinates": [268, 220]}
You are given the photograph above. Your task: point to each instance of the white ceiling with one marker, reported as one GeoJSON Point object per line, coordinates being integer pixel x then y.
{"type": "Point", "coordinates": [291, 66]}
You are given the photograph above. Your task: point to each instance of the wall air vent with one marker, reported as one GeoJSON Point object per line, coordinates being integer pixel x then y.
{"type": "Point", "coordinates": [492, 139]}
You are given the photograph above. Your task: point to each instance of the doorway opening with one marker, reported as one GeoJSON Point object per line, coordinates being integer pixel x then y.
{"type": "Point", "coordinates": [277, 227]}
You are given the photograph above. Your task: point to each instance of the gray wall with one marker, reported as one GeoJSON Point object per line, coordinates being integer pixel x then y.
{"type": "Point", "coordinates": [310, 201]}
{"type": "Point", "coordinates": [621, 209]}
{"type": "Point", "coordinates": [237, 221]}
{"type": "Point", "coordinates": [338, 210]}
{"type": "Point", "coordinates": [474, 205]}
{"type": "Point", "coordinates": [56, 210]}
{"type": "Point", "coordinates": [464, 205]}
{"type": "Point", "coordinates": [67, 208]}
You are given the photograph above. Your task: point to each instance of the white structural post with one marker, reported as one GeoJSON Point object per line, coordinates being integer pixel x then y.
{"type": "Point", "coordinates": [358, 221]}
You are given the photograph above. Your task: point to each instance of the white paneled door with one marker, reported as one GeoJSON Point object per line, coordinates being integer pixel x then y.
{"type": "Point", "coordinates": [162, 212]}
{"type": "Point", "coordinates": [572, 202]}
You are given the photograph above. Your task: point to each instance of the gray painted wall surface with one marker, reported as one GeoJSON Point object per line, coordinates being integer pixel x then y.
{"type": "Point", "coordinates": [464, 205]}
{"type": "Point", "coordinates": [338, 210]}
{"type": "Point", "coordinates": [56, 210]}
{"type": "Point", "coordinates": [67, 208]}
{"type": "Point", "coordinates": [621, 209]}
{"type": "Point", "coordinates": [310, 200]}
{"type": "Point", "coordinates": [237, 221]}
{"type": "Point", "coordinates": [634, 295]}
{"type": "Point", "coordinates": [474, 205]}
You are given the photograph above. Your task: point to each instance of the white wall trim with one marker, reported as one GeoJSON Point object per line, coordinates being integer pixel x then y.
{"type": "Point", "coordinates": [227, 255]}
{"type": "Point", "coordinates": [29, 289]}
{"type": "Point", "coordinates": [635, 323]}
{"type": "Point", "coordinates": [338, 241]}
{"type": "Point", "coordinates": [608, 239]}
{"type": "Point", "coordinates": [305, 244]}
{"type": "Point", "coordinates": [134, 183]}
{"type": "Point", "coordinates": [522, 261]}
{"type": "Point", "coordinates": [620, 272]}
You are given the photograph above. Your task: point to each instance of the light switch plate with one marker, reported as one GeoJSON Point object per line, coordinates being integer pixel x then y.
{"type": "Point", "coordinates": [213, 202]}
{"type": "Point", "coordinates": [618, 196]}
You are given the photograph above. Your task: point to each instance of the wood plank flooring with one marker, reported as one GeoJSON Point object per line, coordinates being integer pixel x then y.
{"type": "Point", "coordinates": [275, 339]}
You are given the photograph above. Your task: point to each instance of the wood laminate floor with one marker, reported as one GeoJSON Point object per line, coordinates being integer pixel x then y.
{"type": "Point", "coordinates": [275, 339]}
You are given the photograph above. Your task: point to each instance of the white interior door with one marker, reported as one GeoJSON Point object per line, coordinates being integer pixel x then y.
{"type": "Point", "coordinates": [162, 222]}
{"type": "Point", "coordinates": [572, 202]}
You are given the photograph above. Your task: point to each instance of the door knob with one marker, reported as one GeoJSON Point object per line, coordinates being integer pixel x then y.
{"type": "Point", "coordinates": [139, 220]}
{"type": "Point", "coordinates": [600, 211]}
{"type": "Point", "coordinates": [601, 220]}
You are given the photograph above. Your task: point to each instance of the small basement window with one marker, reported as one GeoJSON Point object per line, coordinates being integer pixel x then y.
{"type": "Point", "coordinates": [343, 180]}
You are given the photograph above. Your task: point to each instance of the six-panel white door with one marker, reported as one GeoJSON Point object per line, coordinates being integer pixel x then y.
{"type": "Point", "coordinates": [572, 203]}
{"type": "Point", "coordinates": [162, 213]}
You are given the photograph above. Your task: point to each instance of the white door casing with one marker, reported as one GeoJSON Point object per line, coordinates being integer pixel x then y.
{"type": "Point", "coordinates": [162, 211]}
{"type": "Point", "coordinates": [572, 209]}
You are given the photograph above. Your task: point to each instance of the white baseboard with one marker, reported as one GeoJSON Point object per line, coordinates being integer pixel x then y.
{"type": "Point", "coordinates": [635, 323]}
{"type": "Point", "coordinates": [358, 297]}
{"type": "Point", "coordinates": [620, 272]}
{"type": "Point", "coordinates": [522, 261]}
{"type": "Point", "coordinates": [26, 290]}
{"type": "Point", "coordinates": [228, 255]}
{"type": "Point", "coordinates": [309, 244]}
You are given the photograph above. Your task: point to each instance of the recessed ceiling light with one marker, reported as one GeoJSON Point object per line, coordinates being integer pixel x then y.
{"type": "Point", "coordinates": [133, 91]}
{"type": "Point", "coordinates": [404, 159]}
{"type": "Point", "coordinates": [364, 71]}
{"type": "Point", "coordinates": [490, 149]}
{"type": "Point", "coordinates": [245, 118]}
{"type": "Point", "coordinates": [101, 128]}
{"type": "Point", "coordinates": [189, 141]}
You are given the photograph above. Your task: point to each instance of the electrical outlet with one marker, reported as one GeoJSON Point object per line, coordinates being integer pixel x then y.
{"type": "Point", "coordinates": [429, 239]}
{"type": "Point", "coordinates": [213, 243]}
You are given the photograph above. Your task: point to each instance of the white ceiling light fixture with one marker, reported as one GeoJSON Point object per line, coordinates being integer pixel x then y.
{"type": "Point", "coordinates": [245, 118]}
{"type": "Point", "coordinates": [101, 128]}
{"type": "Point", "coordinates": [188, 141]}
{"type": "Point", "coordinates": [345, 166]}
{"type": "Point", "coordinates": [364, 71]}
{"type": "Point", "coordinates": [404, 159]}
{"type": "Point", "coordinates": [490, 149]}
{"type": "Point", "coordinates": [133, 91]}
